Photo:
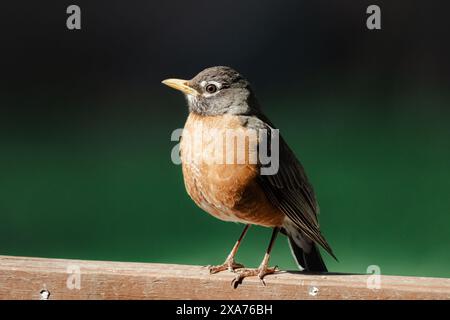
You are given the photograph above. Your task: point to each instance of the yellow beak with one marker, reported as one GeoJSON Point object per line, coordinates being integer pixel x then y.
{"type": "Point", "coordinates": [181, 85]}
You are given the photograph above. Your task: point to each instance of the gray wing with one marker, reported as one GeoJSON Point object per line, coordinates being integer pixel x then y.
{"type": "Point", "coordinates": [290, 190]}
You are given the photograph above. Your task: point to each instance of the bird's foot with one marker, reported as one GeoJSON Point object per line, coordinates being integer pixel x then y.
{"type": "Point", "coordinates": [261, 272]}
{"type": "Point", "coordinates": [229, 265]}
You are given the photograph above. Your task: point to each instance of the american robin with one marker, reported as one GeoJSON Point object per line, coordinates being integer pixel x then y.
{"type": "Point", "coordinates": [221, 100]}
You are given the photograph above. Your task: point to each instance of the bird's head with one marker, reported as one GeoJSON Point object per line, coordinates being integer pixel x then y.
{"type": "Point", "coordinates": [216, 91]}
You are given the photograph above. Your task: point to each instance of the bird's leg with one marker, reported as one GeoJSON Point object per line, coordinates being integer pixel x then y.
{"type": "Point", "coordinates": [263, 268]}
{"type": "Point", "coordinates": [229, 263]}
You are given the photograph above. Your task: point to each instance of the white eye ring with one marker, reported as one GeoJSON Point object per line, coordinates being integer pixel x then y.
{"type": "Point", "coordinates": [211, 88]}
{"type": "Point", "coordinates": [215, 85]}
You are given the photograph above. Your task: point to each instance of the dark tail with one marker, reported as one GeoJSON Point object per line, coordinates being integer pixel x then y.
{"type": "Point", "coordinates": [311, 261]}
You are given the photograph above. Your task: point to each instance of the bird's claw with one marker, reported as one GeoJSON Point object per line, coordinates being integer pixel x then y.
{"type": "Point", "coordinates": [261, 272]}
{"type": "Point", "coordinates": [229, 265]}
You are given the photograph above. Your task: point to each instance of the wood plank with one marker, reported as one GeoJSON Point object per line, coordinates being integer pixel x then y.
{"type": "Point", "coordinates": [27, 278]}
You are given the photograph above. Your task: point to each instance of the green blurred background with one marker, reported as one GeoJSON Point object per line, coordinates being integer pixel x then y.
{"type": "Point", "coordinates": [85, 169]}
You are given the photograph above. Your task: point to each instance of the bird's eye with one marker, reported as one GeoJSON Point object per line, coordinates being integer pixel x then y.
{"type": "Point", "coordinates": [211, 88]}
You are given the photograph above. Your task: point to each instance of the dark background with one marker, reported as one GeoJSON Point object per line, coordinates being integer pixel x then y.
{"type": "Point", "coordinates": [85, 126]}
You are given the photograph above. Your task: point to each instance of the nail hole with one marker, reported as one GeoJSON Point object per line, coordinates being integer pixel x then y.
{"type": "Point", "coordinates": [313, 291]}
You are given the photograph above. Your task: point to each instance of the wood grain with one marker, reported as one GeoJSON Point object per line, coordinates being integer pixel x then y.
{"type": "Point", "coordinates": [26, 278]}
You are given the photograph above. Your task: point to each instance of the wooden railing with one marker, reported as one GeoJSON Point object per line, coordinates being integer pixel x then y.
{"type": "Point", "coordinates": [37, 278]}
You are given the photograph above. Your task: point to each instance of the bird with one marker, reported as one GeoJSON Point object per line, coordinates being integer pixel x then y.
{"type": "Point", "coordinates": [220, 100]}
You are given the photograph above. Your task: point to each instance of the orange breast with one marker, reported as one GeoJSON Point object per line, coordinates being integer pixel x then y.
{"type": "Point", "coordinates": [219, 160]}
